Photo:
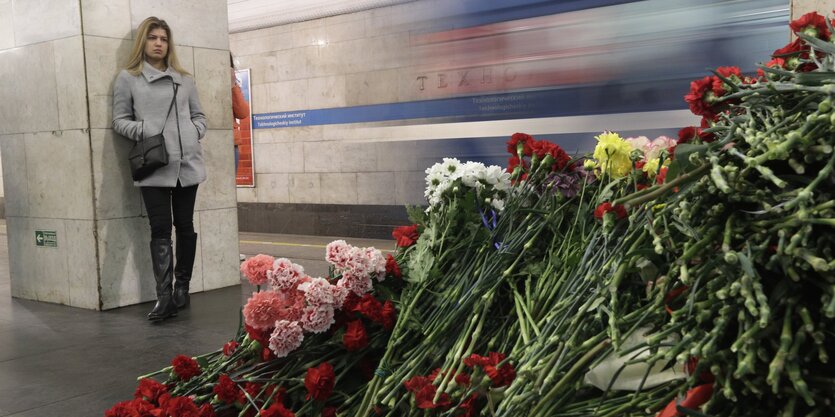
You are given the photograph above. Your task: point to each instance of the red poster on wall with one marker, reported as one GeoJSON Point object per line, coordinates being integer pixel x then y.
{"type": "Point", "coordinates": [242, 131]}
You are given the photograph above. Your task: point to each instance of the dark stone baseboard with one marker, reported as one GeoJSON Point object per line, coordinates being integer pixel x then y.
{"type": "Point", "coordinates": [348, 220]}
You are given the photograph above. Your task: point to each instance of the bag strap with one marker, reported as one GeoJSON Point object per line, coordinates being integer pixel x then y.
{"type": "Point", "coordinates": [173, 84]}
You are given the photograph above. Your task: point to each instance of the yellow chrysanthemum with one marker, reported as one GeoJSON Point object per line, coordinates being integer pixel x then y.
{"type": "Point", "coordinates": [612, 154]}
{"type": "Point", "coordinates": [651, 167]}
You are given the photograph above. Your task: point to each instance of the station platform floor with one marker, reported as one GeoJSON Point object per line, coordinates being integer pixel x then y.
{"type": "Point", "coordinates": [70, 362]}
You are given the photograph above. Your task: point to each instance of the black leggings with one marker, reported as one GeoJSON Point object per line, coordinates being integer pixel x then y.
{"type": "Point", "coordinates": [161, 202]}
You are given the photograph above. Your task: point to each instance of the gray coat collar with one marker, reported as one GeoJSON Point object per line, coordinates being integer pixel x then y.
{"type": "Point", "coordinates": [152, 74]}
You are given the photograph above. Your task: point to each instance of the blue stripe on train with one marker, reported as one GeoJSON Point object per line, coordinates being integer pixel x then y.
{"type": "Point", "coordinates": [615, 97]}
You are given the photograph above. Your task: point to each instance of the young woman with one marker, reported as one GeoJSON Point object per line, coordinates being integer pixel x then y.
{"type": "Point", "coordinates": [155, 94]}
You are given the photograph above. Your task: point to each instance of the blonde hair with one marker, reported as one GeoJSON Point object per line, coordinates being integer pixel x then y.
{"type": "Point", "coordinates": [137, 54]}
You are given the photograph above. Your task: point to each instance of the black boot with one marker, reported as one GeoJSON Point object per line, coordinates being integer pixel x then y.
{"type": "Point", "coordinates": [162, 257]}
{"type": "Point", "coordinates": [186, 247]}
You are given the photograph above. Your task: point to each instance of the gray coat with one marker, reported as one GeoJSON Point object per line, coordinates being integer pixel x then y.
{"type": "Point", "coordinates": [140, 104]}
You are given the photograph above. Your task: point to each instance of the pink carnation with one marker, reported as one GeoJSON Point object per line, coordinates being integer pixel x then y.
{"type": "Point", "coordinates": [317, 319]}
{"type": "Point", "coordinates": [286, 337]}
{"type": "Point", "coordinates": [317, 292]}
{"type": "Point", "coordinates": [255, 268]}
{"type": "Point", "coordinates": [263, 309]}
{"type": "Point", "coordinates": [358, 263]}
{"type": "Point", "coordinates": [337, 253]}
{"type": "Point", "coordinates": [358, 284]}
{"type": "Point", "coordinates": [285, 274]}
{"type": "Point", "coordinates": [339, 295]}
{"type": "Point", "coordinates": [292, 305]}
{"type": "Point", "coordinates": [376, 263]}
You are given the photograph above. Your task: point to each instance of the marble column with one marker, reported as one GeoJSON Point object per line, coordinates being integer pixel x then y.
{"type": "Point", "coordinates": [76, 226]}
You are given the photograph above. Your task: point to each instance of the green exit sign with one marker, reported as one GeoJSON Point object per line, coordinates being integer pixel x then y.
{"type": "Point", "coordinates": [47, 238]}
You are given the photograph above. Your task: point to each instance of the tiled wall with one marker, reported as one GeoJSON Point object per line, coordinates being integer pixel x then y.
{"type": "Point", "coordinates": [65, 170]}
{"type": "Point", "coordinates": [349, 60]}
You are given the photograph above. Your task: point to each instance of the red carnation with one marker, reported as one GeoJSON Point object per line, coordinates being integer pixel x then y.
{"type": "Point", "coordinates": [520, 140]}
{"type": "Point", "coordinates": [793, 52]}
{"type": "Point", "coordinates": [415, 383]}
{"type": "Point", "coordinates": [501, 376]}
{"type": "Point", "coordinates": [329, 412]}
{"type": "Point", "coordinates": [469, 406]}
{"type": "Point", "coordinates": [179, 407]}
{"type": "Point", "coordinates": [392, 269]}
{"type": "Point", "coordinates": [254, 388]}
{"type": "Point", "coordinates": [389, 314]}
{"type": "Point", "coordinates": [514, 162]}
{"type": "Point", "coordinates": [150, 390]}
{"type": "Point", "coordinates": [701, 96]}
{"type": "Point", "coordinates": [424, 398]}
{"type": "Point", "coordinates": [476, 360]}
{"type": "Point", "coordinates": [206, 410]}
{"type": "Point", "coordinates": [688, 133]}
{"type": "Point", "coordinates": [229, 348]}
{"type": "Point", "coordinates": [267, 354]}
{"type": "Point", "coordinates": [226, 390]}
{"type": "Point", "coordinates": [602, 209]}
{"type": "Point", "coordinates": [351, 302]}
{"type": "Point", "coordinates": [543, 148]}
{"type": "Point", "coordinates": [319, 382]}
{"type": "Point", "coordinates": [793, 48]}
{"type": "Point", "coordinates": [370, 307]}
{"type": "Point", "coordinates": [277, 410]}
{"type": "Point", "coordinates": [811, 24]}
{"type": "Point", "coordinates": [405, 235]}
{"type": "Point", "coordinates": [662, 175]}
{"type": "Point", "coordinates": [774, 63]}
{"type": "Point", "coordinates": [133, 408]}
{"type": "Point", "coordinates": [694, 398]}
{"type": "Point", "coordinates": [355, 337]}
{"type": "Point", "coordinates": [462, 379]}
{"type": "Point", "coordinates": [260, 336]}
{"type": "Point", "coordinates": [730, 73]}
{"type": "Point", "coordinates": [185, 367]}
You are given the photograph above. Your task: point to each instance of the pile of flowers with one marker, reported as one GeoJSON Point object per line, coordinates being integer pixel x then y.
{"type": "Point", "coordinates": [295, 327]}
{"type": "Point", "coordinates": [668, 277]}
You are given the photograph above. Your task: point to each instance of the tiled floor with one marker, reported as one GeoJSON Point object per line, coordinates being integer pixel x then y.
{"type": "Point", "coordinates": [70, 362]}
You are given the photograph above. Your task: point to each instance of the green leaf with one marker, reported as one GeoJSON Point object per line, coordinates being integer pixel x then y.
{"type": "Point", "coordinates": [608, 191]}
{"type": "Point", "coordinates": [818, 44]}
{"type": "Point", "coordinates": [417, 214]}
{"type": "Point", "coordinates": [422, 260]}
{"type": "Point", "coordinates": [647, 269]}
{"type": "Point", "coordinates": [203, 362]}
{"type": "Point", "coordinates": [746, 264]}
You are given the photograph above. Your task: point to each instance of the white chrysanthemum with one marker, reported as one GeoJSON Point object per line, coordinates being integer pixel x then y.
{"type": "Point", "coordinates": [497, 177]}
{"type": "Point", "coordinates": [435, 178]}
{"type": "Point", "coordinates": [471, 173]}
{"type": "Point", "coordinates": [497, 204]}
{"type": "Point", "coordinates": [443, 187]}
{"type": "Point", "coordinates": [452, 168]}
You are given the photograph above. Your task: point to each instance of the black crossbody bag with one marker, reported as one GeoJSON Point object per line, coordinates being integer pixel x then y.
{"type": "Point", "coordinates": [149, 154]}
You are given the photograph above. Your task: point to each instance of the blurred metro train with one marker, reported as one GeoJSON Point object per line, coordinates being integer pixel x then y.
{"type": "Point", "coordinates": [560, 70]}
